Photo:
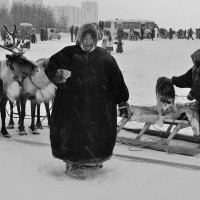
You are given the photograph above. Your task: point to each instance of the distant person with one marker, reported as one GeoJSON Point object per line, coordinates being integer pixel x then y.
{"type": "Point", "coordinates": [152, 34]}
{"type": "Point", "coordinates": [170, 33]}
{"type": "Point", "coordinates": [120, 33]}
{"type": "Point", "coordinates": [107, 42]}
{"type": "Point", "coordinates": [185, 34]}
{"type": "Point", "coordinates": [142, 32]}
{"type": "Point", "coordinates": [75, 32]}
{"type": "Point", "coordinates": [33, 36]}
{"type": "Point", "coordinates": [72, 33]}
{"type": "Point", "coordinates": [101, 25]}
{"type": "Point", "coordinates": [119, 44]}
{"type": "Point", "coordinates": [190, 34]}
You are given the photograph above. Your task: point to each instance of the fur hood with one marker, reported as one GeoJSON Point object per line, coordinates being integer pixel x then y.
{"type": "Point", "coordinates": [85, 28]}
{"type": "Point", "coordinates": [196, 57]}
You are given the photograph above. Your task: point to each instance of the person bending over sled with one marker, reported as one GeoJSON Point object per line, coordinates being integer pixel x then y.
{"type": "Point", "coordinates": [90, 85]}
{"type": "Point", "coordinates": [191, 79]}
{"type": "Point", "coordinates": [119, 44]}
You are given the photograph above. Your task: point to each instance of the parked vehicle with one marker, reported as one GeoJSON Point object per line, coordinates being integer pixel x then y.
{"type": "Point", "coordinates": [25, 31]}
{"type": "Point", "coordinates": [52, 34]}
{"type": "Point", "coordinates": [127, 25]}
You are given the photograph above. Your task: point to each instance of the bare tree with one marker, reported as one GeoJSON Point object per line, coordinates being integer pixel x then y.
{"type": "Point", "coordinates": [5, 17]}
{"type": "Point", "coordinates": [39, 17]}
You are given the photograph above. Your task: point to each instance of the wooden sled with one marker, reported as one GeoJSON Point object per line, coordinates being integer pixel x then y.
{"type": "Point", "coordinates": [149, 116]}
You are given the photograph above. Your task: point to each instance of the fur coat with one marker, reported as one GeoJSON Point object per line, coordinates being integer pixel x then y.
{"type": "Point", "coordinates": [84, 115]}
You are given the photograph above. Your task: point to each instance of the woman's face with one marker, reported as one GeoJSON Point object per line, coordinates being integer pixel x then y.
{"type": "Point", "coordinates": [88, 42]}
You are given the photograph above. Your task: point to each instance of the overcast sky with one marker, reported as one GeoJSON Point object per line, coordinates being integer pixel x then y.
{"type": "Point", "coordinates": [166, 13]}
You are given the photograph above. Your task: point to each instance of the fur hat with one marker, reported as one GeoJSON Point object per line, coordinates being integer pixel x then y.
{"type": "Point", "coordinates": [196, 57]}
{"type": "Point", "coordinates": [86, 28]}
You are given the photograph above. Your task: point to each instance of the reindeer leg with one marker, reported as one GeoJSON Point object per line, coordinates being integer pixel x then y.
{"type": "Point", "coordinates": [11, 123]}
{"type": "Point", "coordinates": [3, 118]}
{"type": "Point", "coordinates": [33, 126]}
{"type": "Point", "coordinates": [48, 113]}
{"type": "Point", "coordinates": [38, 123]}
{"type": "Point", "coordinates": [18, 110]}
{"type": "Point", "coordinates": [22, 116]}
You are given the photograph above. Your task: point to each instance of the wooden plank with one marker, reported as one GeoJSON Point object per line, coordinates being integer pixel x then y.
{"type": "Point", "coordinates": [159, 162]}
{"type": "Point", "coordinates": [177, 149]}
{"type": "Point", "coordinates": [165, 134]}
{"type": "Point", "coordinates": [122, 124]}
{"type": "Point", "coordinates": [176, 121]}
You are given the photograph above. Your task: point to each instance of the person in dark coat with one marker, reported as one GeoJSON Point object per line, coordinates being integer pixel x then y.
{"type": "Point", "coordinates": [75, 32]}
{"type": "Point", "coordinates": [72, 33]}
{"type": "Point", "coordinates": [190, 34]}
{"type": "Point", "coordinates": [191, 80]}
{"type": "Point", "coordinates": [119, 44]}
{"type": "Point", "coordinates": [120, 33]}
{"type": "Point", "coordinates": [84, 115]}
{"type": "Point", "coordinates": [170, 33]}
{"type": "Point", "coordinates": [142, 32]}
{"type": "Point", "coordinates": [152, 34]}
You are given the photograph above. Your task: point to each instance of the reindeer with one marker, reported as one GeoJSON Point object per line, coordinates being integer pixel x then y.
{"type": "Point", "coordinates": [22, 85]}
{"type": "Point", "coordinates": [37, 88]}
{"type": "Point", "coordinates": [13, 70]}
{"type": "Point", "coordinates": [11, 124]}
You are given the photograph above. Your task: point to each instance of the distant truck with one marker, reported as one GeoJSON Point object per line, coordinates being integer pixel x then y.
{"type": "Point", "coordinates": [52, 34]}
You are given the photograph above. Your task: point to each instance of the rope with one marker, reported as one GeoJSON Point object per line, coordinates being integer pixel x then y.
{"type": "Point", "coordinates": [34, 83]}
{"type": "Point", "coordinates": [46, 114]}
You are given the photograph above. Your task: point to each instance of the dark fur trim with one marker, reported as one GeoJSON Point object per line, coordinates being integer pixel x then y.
{"type": "Point", "coordinates": [86, 28]}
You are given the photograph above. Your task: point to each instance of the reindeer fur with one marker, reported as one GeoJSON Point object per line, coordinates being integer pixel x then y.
{"type": "Point", "coordinates": [11, 86]}
{"type": "Point", "coordinates": [39, 85]}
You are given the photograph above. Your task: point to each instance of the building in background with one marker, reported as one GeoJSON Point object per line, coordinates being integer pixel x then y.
{"type": "Point", "coordinates": [89, 11]}
{"type": "Point", "coordinates": [4, 4]}
{"type": "Point", "coordinates": [76, 16]}
{"type": "Point", "coordinates": [66, 16]}
{"type": "Point", "coordinates": [29, 2]}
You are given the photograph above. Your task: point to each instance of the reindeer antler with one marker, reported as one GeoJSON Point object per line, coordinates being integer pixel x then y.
{"type": "Point", "coordinates": [14, 36]}
{"type": "Point", "coordinates": [11, 50]}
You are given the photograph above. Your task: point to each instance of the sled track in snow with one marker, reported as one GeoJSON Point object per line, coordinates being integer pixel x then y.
{"type": "Point", "coordinates": [158, 162]}
{"type": "Point", "coordinates": [122, 156]}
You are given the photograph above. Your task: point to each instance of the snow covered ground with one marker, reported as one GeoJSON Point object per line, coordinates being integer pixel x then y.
{"type": "Point", "coordinates": [29, 172]}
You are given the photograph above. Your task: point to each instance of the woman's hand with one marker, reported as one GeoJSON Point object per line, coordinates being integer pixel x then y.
{"type": "Point", "coordinates": [62, 75]}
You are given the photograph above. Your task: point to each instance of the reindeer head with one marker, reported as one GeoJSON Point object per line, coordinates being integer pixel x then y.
{"type": "Point", "coordinates": [18, 63]}
{"type": "Point", "coordinates": [21, 66]}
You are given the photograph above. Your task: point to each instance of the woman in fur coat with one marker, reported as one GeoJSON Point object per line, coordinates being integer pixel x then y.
{"type": "Point", "coordinates": [84, 115]}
